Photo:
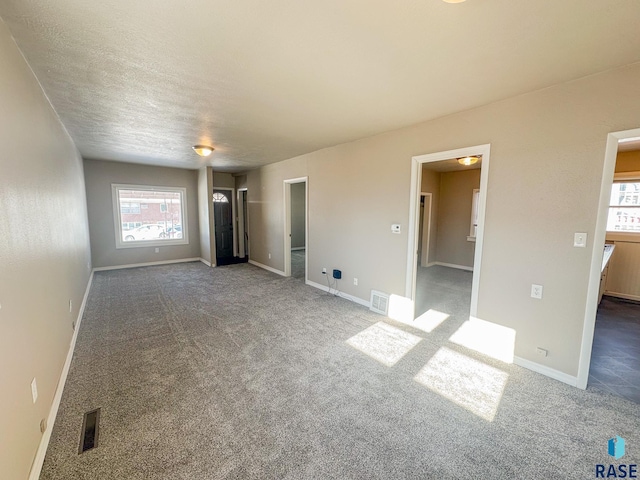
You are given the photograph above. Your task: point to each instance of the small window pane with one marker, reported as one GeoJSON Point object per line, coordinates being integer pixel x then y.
{"type": "Point", "coordinates": [220, 197]}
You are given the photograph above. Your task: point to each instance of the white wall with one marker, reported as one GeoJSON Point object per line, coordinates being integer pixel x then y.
{"type": "Point", "coordinates": [44, 254]}
{"type": "Point", "coordinates": [547, 156]}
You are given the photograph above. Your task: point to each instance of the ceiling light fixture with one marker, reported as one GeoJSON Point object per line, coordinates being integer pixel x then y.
{"type": "Point", "coordinates": [453, 1]}
{"type": "Point", "coordinates": [470, 160]}
{"type": "Point", "coordinates": [203, 150]}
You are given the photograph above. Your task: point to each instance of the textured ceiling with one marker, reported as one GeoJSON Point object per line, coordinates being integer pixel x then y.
{"type": "Point", "coordinates": [263, 81]}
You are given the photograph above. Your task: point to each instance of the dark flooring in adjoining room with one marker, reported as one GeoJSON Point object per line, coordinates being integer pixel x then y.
{"type": "Point", "coordinates": [236, 372]}
{"type": "Point", "coordinates": [615, 358]}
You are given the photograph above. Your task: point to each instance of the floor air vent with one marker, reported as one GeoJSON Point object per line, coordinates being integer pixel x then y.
{"type": "Point", "coordinates": [379, 302]}
{"type": "Point", "coordinates": [89, 437]}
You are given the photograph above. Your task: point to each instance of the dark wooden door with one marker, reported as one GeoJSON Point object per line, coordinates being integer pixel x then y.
{"type": "Point", "coordinates": [223, 217]}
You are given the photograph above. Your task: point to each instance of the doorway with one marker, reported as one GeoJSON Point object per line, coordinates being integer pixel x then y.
{"type": "Point", "coordinates": [296, 228]}
{"type": "Point", "coordinates": [445, 160]}
{"type": "Point", "coordinates": [223, 214]}
{"type": "Point", "coordinates": [610, 356]}
{"type": "Point", "coordinates": [243, 224]}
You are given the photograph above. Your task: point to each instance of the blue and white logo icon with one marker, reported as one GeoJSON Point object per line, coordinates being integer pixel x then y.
{"type": "Point", "coordinates": [616, 447]}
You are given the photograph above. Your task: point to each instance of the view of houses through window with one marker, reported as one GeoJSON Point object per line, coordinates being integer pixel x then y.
{"type": "Point", "coordinates": [624, 207]}
{"type": "Point", "coordinates": [149, 215]}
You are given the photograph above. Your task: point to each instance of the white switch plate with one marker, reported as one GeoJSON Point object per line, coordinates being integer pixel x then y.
{"type": "Point", "coordinates": [580, 240]}
{"type": "Point", "coordinates": [355, 281]}
{"type": "Point", "coordinates": [536, 291]}
{"type": "Point", "coordinates": [157, 250]}
{"type": "Point", "coordinates": [34, 390]}
{"type": "Point", "coordinates": [542, 352]}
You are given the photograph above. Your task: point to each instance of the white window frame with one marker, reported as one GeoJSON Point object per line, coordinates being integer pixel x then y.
{"type": "Point", "coordinates": [475, 199]}
{"type": "Point", "coordinates": [622, 177]}
{"type": "Point", "coordinates": [117, 217]}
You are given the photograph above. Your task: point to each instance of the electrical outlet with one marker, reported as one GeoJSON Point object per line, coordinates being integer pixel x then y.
{"type": "Point", "coordinates": [269, 256]}
{"type": "Point", "coordinates": [324, 271]}
{"type": "Point", "coordinates": [70, 306]}
{"type": "Point", "coordinates": [542, 352]}
{"type": "Point", "coordinates": [34, 390]}
{"type": "Point", "coordinates": [157, 250]}
{"type": "Point", "coordinates": [355, 281]}
{"type": "Point", "coordinates": [536, 291]}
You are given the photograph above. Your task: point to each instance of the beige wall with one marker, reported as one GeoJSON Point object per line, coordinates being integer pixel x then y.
{"type": "Point", "coordinates": [99, 176]}
{"type": "Point", "coordinates": [628, 161]}
{"type": "Point", "coordinates": [224, 180]}
{"type": "Point", "coordinates": [543, 144]}
{"type": "Point", "coordinates": [430, 183]}
{"type": "Point", "coordinates": [205, 214]}
{"type": "Point", "coordinates": [44, 253]}
{"type": "Point", "coordinates": [298, 208]}
{"type": "Point", "coordinates": [454, 217]}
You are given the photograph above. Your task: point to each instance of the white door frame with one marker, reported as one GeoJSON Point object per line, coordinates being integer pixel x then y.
{"type": "Point", "coordinates": [597, 251]}
{"type": "Point", "coordinates": [414, 210]}
{"type": "Point", "coordinates": [427, 227]}
{"type": "Point", "coordinates": [287, 225]}
{"type": "Point", "coordinates": [233, 216]}
{"type": "Point", "coordinates": [240, 222]}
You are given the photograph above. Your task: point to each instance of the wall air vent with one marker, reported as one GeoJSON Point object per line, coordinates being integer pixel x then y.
{"type": "Point", "coordinates": [379, 302]}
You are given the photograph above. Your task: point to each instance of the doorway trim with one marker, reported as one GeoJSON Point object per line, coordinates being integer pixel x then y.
{"type": "Point", "coordinates": [414, 210]}
{"type": "Point", "coordinates": [608, 169]}
{"type": "Point", "coordinates": [287, 225]}
{"type": "Point", "coordinates": [232, 196]}
{"type": "Point", "coordinates": [240, 220]}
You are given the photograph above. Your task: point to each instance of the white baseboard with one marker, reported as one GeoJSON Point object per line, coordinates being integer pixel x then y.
{"type": "Point", "coordinates": [546, 371]}
{"type": "Point", "coordinates": [298, 248]}
{"type": "Point", "coordinates": [346, 296]}
{"type": "Point", "coordinates": [38, 461]}
{"type": "Point", "coordinates": [147, 264]}
{"type": "Point", "coordinates": [624, 296]}
{"type": "Point", "coordinates": [208, 264]}
{"type": "Point", "coordinates": [266, 267]}
{"type": "Point", "coordinates": [453, 265]}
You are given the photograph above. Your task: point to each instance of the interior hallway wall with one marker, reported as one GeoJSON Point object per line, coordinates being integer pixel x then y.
{"type": "Point", "coordinates": [298, 209]}
{"type": "Point", "coordinates": [543, 145]}
{"type": "Point", "coordinates": [44, 253]}
{"type": "Point", "coordinates": [205, 214]}
{"type": "Point", "coordinates": [430, 183]}
{"type": "Point", "coordinates": [454, 217]}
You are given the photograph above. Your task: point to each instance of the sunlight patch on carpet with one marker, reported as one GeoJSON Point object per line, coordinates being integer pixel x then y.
{"type": "Point", "coordinates": [384, 343]}
{"type": "Point", "coordinates": [471, 384]}
{"type": "Point", "coordinates": [487, 338]}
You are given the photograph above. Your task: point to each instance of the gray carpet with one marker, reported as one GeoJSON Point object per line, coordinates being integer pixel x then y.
{"type": "Point", "coordinates": [298, 264]}
{"type": "Point", "coordinates": [236, 372]}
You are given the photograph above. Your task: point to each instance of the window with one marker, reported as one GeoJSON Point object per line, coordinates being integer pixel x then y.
{"type": "Point", "coordinates": [160, 221]}
{"type": "Point", "coordinates": [473, 230]}
{"type": "Point", "coordinates": [624, 207]}
{"type": "Point", "coordinates": [220, 197]}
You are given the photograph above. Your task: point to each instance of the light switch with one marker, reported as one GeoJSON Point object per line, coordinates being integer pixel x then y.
{"type": "Point", "coordinates": [580, 240]}
{"type": "Point", "coordinates": [395, 228]}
